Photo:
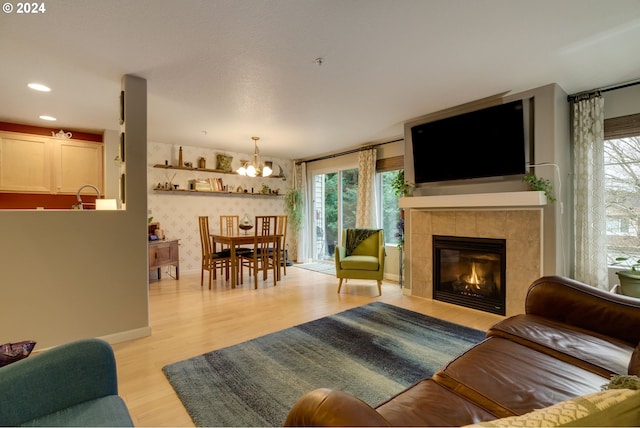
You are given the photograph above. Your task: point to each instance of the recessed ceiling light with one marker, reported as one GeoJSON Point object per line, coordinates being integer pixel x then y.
{"type": "Point", "coordinates": [45, 117]}
{"type": "Point", "coordinates": [39, 87]}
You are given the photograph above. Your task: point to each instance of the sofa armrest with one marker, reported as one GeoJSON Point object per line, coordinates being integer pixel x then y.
{"type": "Point", "coordinates": [56, 379]}
{"type": "Point", "coordinates": [328, 407]}
{"type": "Point", "coordinates": [585, 306]}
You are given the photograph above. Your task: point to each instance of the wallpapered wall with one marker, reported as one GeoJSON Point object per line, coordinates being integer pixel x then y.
{"type": "Point", "coordinates": [178, 213]}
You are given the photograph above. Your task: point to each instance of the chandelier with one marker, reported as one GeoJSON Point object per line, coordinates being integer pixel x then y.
{"type": "Point", "coordinates": [255, 168]}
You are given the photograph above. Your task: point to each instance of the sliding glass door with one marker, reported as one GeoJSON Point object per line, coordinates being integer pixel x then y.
{"type": "Point", "coordinates": [335, 196]}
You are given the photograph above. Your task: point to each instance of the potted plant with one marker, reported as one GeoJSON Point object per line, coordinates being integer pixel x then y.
{"type": "Point", "coordinates": [400, 186]}
{"type": "Point", "coordinates": [540, 184]}
{"type": "Point", "coordinates": [629, 278]}
{"type": "Point", "coordinates": [293, 205]}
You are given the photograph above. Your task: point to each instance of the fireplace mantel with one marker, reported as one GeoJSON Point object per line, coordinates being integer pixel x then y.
{"type": "Point", "coordinates": [476, 200]}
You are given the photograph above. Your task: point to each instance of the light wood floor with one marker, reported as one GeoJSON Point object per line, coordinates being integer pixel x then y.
{"type": "Point", "coordinates": [188, 320]}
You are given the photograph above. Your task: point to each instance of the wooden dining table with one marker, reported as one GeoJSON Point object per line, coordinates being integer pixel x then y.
{"type": "Point", "coordinates": [235, 240]}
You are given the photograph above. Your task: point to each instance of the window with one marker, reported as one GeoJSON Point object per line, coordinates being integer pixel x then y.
{"type": "Point", "coordinates": [390, 212]}
{"type": "Point", "coordinates": [335, 203]}
{"type": "Point", "coordinates": [622, 186]}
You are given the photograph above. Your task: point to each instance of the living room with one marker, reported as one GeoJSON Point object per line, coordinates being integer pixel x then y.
{"type": "Point", "coordinates": [70, 275]}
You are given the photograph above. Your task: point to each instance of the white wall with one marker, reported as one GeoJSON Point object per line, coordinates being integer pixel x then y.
{"type": "Point", "coordinates": [68, 275]}
{"type": "Point", "coordinates": [622, 102]}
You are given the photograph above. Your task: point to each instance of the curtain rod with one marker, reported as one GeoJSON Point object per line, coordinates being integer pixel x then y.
{"type": "Point", "coordinates": [596, 92]}
{"type": "Point", "coordinates": [348, 152]}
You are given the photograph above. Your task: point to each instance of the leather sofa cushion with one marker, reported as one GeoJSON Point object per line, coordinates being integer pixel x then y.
{"type": "Point", "coordinates": [634, 364]}
{"type": "Point", "coordinates": [428, 404]}
{"type": "Point", "coordinates": [360, 263]}
{"type": "Point", "coordinates": [509, 379]}
{"type": "Point", "coordinates": [596, 352]}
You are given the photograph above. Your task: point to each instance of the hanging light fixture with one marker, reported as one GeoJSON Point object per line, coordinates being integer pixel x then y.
{"type": "Point", "coordinates": [255, 168]}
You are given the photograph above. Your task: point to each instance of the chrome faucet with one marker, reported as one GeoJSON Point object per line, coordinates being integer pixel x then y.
{"type": "Point", "coordinates": [80, 203]}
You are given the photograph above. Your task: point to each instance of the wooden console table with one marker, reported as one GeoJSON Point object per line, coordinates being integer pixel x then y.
{"type": "Point", "coordinates": [164, 253]}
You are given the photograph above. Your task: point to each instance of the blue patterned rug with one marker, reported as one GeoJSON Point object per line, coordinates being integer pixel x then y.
{"type": "Point", "coordinates": [373, 352]}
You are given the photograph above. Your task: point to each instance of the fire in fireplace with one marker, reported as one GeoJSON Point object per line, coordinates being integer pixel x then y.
{"type": "Point", "coordinates": [470, 272]}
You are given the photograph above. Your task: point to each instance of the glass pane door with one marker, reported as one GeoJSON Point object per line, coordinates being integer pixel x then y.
{"type": "Point", "coordinates": [335, 196]}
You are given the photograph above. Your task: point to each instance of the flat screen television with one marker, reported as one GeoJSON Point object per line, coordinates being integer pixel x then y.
{"type": "Point", "coordinates": [490, 142]}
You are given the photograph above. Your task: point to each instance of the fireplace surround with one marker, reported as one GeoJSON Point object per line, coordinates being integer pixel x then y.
{"type": "Point", "coordinates": [515, 217]}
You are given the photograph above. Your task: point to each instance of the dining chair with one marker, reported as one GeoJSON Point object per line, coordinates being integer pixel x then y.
{"type": "Point", "coordinates": [282, 230]}
{"type": "Point", "coordinates": [230, 225]}
{"type": "Point", "coordinates": [260, 258]}
{"type": "Point", "coordinates": [212, 260]}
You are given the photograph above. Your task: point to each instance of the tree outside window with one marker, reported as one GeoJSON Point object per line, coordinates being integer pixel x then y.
{"type": "Point", "coordinates": [390, 211]}
{"type": "Point", "coordinates": [622, 184]}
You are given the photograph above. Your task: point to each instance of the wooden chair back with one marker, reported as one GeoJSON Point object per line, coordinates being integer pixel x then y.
{"type": "Point", "coordinates": [264, 248]}
{"type": "Point", "coordinates": [282, 230]}
{"type": "Point", "coordinates": [265, 225]}
{"type": "Point", "coordinates": [229, 224]}
{"type": "Point", "coordinates": [205, 238]}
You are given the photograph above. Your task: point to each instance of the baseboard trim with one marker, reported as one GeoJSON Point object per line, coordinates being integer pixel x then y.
{"type": "Point", "coordinates": [124, 336]}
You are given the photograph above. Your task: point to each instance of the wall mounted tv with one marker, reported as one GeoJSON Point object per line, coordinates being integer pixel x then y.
{"type": "Point", "coordinates": [490, 142]}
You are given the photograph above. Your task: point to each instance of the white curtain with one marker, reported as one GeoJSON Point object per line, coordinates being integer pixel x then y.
{"type": "Point", "coordinates": [366, 215]}
{"type": "Point", "coordinates": [304, 234]}
{"type": "Point", "coordinates": [590, 215]}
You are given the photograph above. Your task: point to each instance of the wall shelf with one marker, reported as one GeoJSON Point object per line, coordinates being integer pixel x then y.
{"type": "Point", "coordinates": [217, 171]}
{"type": "Point", "coordinates": [215, 193]}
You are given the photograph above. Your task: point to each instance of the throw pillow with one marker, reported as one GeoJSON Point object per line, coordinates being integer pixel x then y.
{"type": "Point", "coordinates": [223, 162]}
{"type": "Point", "coordinates": [611, 407]}
{"type": "Point", "coordinates": [12, 352]}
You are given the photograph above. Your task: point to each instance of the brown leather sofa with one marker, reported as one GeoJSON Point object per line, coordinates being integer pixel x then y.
{"type": "Point", "coordinates": [572, 338]}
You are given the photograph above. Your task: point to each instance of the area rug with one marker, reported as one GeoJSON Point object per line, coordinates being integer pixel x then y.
{"type": "Point", "coordinates": [372, 351]}
{"type": "Point", "coordinates": [322, 267]}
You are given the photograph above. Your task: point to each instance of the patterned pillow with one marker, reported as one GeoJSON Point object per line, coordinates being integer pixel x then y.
{"type": "Point", "coordinates": [223, 162]}
{"type": "Point", "coordinates": [12, 352]}
{"type": "Point", "coordinates": [611, 407]}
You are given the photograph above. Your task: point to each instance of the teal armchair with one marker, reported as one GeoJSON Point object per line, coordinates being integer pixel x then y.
{"type": "Point", "coordinates": [361, 256]}
{"type": "Point", "coordinates": [71, 385]}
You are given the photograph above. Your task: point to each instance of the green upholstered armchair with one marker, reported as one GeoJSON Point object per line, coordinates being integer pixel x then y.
{"type": "Point", "coordinates": [71, 385]}
{"type": "Point", "coordinates": [361, 256]}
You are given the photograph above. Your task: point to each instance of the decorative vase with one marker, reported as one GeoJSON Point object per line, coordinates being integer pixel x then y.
{"type": "Point", "coordinates": [245, 224]}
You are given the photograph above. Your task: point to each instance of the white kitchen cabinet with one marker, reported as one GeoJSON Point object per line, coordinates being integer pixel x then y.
{"type": "Point", "coordinates": [77, 163]}
{"type": "Point", "coordinates": [25, 163]}
{"type": "Point", "coordinates": [38, 164]}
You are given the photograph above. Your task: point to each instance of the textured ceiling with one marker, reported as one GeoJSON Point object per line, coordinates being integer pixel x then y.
{"type": "Point", "coordinates": [220, 71]}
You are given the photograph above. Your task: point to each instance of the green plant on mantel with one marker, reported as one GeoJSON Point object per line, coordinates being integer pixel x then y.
{"type": "Point", "coordinates": [400, 186]}
{"type": "Point", "coordinates": [540, 184]}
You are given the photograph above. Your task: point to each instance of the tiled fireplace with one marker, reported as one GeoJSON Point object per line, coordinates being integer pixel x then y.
{"type": "Point", "coordinates": [519, 224]}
